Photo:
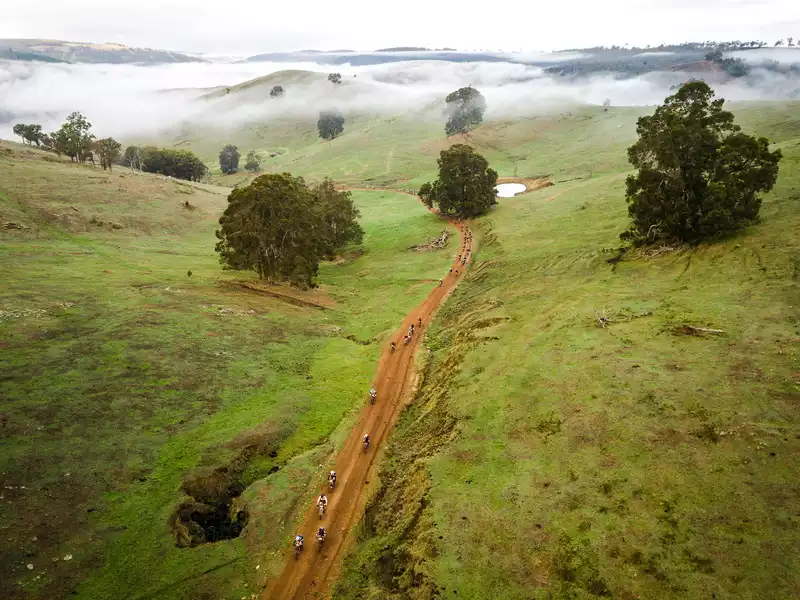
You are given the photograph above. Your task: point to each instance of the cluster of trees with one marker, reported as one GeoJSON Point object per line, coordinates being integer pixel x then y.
{"type": "Point", "coordinates": [182, 164]}
{"type": "Point", "coordinates": [74, 139]}
{"type": "Point", "coordinates": [277, 91]}
{"type": "Point", "coordinates": [29, 133]}
{"type": "Point", "coordinates": [698, 176]}
{"type": "Point", "coordinates": [282, 228]}
{"type": "Point", "coordinates": [735, 67]}
{"type": "Point", "coordinates": [330, 124]}
{"type": "Point", "coordinates": [465, 186]}
{"type": "Point", "coordinates": [229, 160]}
{"type": "Point", "coordinates": [335, 78]}
{"type": "Point", "coordinates": [683, 47]}
{"type": "Point", "coordinates": [464, 109]}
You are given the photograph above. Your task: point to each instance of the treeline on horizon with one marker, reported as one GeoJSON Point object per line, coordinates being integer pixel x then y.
{"type": "Point", "coordinates": [688, 46]}
{"type": "Point", "coordinates": [633, 61]}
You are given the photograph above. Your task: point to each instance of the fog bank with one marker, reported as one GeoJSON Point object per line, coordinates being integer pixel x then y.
{"type": "Point", "coordinates": [126, 100]}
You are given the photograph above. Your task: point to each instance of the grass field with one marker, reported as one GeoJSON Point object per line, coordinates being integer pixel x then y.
{"type": "Point", "coordinates": [547, 457]}
{"type": "Point", "coordinates": [542, 457]}
{"type": "Point", "coordinates": [123, 375]}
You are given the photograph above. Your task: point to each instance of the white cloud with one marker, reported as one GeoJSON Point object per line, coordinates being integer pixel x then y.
{"type": "Point", "coordinates": [125, 100]}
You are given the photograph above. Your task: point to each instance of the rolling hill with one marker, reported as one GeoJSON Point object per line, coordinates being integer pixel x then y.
{"type": "Point", "coordinates": [83, 52]}
{"type": "Point", "coordinates": [546, 453]}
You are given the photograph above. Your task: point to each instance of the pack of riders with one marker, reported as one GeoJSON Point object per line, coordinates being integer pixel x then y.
{"type": "Point", "coordinates": [322, 500]}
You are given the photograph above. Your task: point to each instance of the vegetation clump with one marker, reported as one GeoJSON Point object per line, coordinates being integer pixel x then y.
{"type": "Point", "coordinates": [108, 149]}
{"type": "Point", "coordinates": [335, 78]}
{"type": "Point", "coordinates": [32, 134]}
{"type": "Point", "coordinates": [330, 124]}
{"type": "Point", "coordinates": [74, 138]}
{"type": "Point", "coordinates": [281, 228]}
{"type": "Point", "coordinates": [183, 164]}
{"type": "Point", "coordinates": [229, 159]}
{"type": "Point", "coordinates": [465, 187]}
{"type": "Point", "coordinates": [277, 91]}
{"type": "Point", "coordinates": [464, 108]}
{"type": "Point", "coordinates": [252, 162]}
{"type": "Point", "coordinates": [735, 67]}
{"type": "Point", "coordinates": [698, 174]}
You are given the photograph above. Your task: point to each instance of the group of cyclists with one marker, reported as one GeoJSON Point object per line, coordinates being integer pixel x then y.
{"type": "Point", "coordinates": [409, 334]}
{"type": "Point", "coordinates": [322, 500]}
{"type": "Point", "coordinates": [466, 250]}
{"type": "Point", "coordinates": [322, 505]}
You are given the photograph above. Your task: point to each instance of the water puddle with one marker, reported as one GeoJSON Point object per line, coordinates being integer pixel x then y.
{"type": "Point", "coordinates": [508, 190]}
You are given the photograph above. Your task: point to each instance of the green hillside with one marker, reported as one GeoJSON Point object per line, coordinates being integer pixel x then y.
{"type": "Point", "coordinates": [543, 456]}
{"type": "Point", "coordinates": [123, 374]}
{"type": "Point", "coordinates": [548, 457]}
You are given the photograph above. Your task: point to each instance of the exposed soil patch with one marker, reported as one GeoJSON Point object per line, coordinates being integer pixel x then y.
{"type": "Point", "coordinates": [213, 509]}
{"type": "Point", "coordinates": [214, 512]}
{"type": "Point", "coordinates": [531, 183]}
{"type": "Point", "coordinates": [313, 299]}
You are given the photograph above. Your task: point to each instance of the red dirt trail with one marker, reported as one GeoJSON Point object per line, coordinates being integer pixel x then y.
{"type": "Point", "coordinates": [313, 573]}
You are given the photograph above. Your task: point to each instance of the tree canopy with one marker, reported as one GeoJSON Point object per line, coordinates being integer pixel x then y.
{"type": "Point", "coordinates": [335, 78]}
{"type": "Point", "coordinates": [133, 157]}
{"type": "Point", "coordinates": [108, 149]}
{"type": "Point", "coordinates": [698, 175]}
{"type": "Point", "coordinates": [252, 162]}
{"type": "Point", "coordinates": [281, 228]}
{"type": "Point", "coordinates": [74, 138]}
{"type": "Point", "coordinates": [183, 164]}
{"type": "Point", "coordinates": [29, 133]}
{"type": "Point", "coordinates": [735, 67]}
{"type": "Point", "coordinates": [340, 218]}
{"type": "Point", "coordinates": [277, 91]}
{"type": "Point", "coordinates": [229, 159]}
{"type": "Point", "coordinates": [464, 109]}
{"type": "Point", "coordinates": [465, 187]}
{"type": "Point", "coordinates": [330, 124]}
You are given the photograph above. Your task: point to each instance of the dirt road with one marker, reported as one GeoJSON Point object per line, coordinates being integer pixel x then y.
{"type": "Point", "coordinates": [313, 573]}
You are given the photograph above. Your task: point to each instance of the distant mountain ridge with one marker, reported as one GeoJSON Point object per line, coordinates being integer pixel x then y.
{"type": "Point", "coordinates": [378, 57]}
{"type": "Point", "coordinates": [81, 52]}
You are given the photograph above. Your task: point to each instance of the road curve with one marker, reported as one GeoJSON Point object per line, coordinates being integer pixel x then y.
{"type": "Point", "coordinates": [313, 573]}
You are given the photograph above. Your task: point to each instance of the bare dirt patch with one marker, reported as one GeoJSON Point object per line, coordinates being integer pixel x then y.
{"type": "Point", "coordinates": [531, 183]}
{"type": "Point", "coordinates": [311, 298]}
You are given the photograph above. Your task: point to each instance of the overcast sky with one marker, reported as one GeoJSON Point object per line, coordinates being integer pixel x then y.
{"type": "Point", "coordinates": [248, 27]}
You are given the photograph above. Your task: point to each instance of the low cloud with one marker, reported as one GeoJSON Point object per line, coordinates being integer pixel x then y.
{"type": "Point", "coordinates": [139, 101]}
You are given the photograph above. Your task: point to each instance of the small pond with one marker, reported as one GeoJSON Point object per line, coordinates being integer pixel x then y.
{"type": "Point", "coordinates": [507, 190]}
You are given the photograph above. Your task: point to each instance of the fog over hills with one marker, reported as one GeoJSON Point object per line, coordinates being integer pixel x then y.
{"type": "Point", "coordinates": [129, 99]}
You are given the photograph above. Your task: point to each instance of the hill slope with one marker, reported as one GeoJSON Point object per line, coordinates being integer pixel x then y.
{"type": "Point", "coordinates": [547, 457]}
{"type": "Point", "coordinates": [133, 366]}
{"type": "Point", "coordinates": [82, 52]}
